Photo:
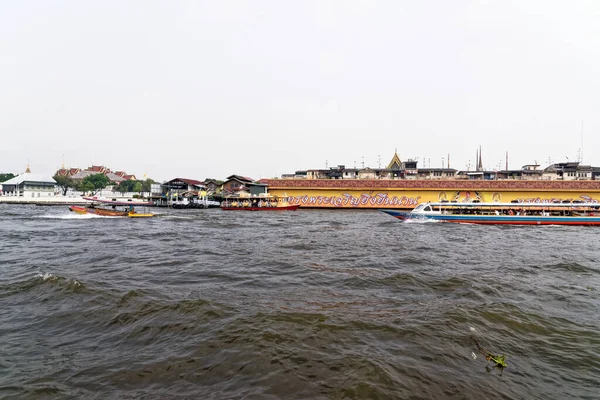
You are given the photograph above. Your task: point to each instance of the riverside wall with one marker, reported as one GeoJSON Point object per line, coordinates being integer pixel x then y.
{"type": "Point", "coordinates": [405, 194]}
{"type": "Point", "coordinates": [47, 201]}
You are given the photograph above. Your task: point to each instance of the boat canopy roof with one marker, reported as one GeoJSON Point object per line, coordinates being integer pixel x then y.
{"type": "Point", "coordinates": [492, 204]}
{"type": "Point", "coordinates": [264, 196]}
{"type": "Point", "coordinates": [119, 203]}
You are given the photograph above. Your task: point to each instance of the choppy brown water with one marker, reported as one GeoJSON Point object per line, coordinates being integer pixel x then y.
{"type": "Point", "coordinates": [307, 304]}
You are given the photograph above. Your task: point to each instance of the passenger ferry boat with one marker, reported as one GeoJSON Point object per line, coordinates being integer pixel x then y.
{"type": "Point", "coordinates": [575, 213]}
{"type": "Point", "coordinates": [112, 208]}
{"type": "Point", "coordinates": [263, 202]}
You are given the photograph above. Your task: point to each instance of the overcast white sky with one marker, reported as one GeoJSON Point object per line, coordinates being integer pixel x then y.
{"type": "Point", "coordinates": [259, 88]}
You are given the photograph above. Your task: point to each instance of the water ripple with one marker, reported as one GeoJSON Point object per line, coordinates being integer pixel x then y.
{"type": "Point", "coordinates": [309, 304]}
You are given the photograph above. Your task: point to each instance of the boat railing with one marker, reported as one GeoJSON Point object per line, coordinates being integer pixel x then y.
{"type": "Point", "coordinates": [543, 209]}
{"type": "Point", "coordinates": [244, 202]}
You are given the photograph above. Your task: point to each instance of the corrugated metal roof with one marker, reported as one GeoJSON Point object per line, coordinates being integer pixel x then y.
{"type": "Point", "coordinates": [186, 180]}
{"type": "Point", "coordinates": [240, 178]}
{"type": "Point", "coordinates": [29, 177]}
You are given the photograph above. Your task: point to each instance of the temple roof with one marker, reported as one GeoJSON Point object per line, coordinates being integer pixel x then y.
{"type": "Point", "coordinates": [395, 163]}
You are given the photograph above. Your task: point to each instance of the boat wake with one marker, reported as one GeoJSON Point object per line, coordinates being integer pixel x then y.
{"type": "Point", "coordinates": [421, 221]}
{"type": "Point", "coordinates": [71, 216]}
{"type": "Point", "coordinates": [178, 217]}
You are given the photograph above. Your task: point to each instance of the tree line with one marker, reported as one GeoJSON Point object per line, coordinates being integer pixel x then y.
{"type": "Point", "coordinates": [96, 182]}
{"type": "Point", "coordinates": [5, 177]}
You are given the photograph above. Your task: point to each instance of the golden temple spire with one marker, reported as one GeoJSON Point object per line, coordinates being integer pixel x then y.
{"type": "Point", "coordinates": [27, 171]}
{"type": "Point", "coordinates": [396, 163]}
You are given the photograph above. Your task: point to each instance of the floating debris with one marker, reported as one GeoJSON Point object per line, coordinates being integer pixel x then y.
{"type": "Point", "coordinates": [499, 360]}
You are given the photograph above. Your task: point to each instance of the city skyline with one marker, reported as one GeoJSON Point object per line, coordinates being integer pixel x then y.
{"type": "Point", "coordinates": [422, 163]}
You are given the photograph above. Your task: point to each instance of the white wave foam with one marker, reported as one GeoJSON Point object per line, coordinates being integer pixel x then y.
{"type": "Point", "coordinates": [46, 276]}
{"type": "Point", "coordinates": [71, 216]}
{"type": "Point", "coordinates": [421, 221]}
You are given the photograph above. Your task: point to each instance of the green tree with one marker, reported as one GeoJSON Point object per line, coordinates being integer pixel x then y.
{"type": "Point", "coordinates": [5, 177]}
{"type": "Point", "coordinates": [147, 185]}
{"type": "Point", "coordinates": [95, 182]}
{"type": "Point", "coordinates": [64, 183]}
{"type": "Point", "coordinates": [85, 187]}
{"type": "Point", "coordinates": [137, 186]}
{"type": "Point", "coordinates": [125, 186]}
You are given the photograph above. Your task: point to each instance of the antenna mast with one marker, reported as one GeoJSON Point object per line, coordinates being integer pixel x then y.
{"type": "Point", "coordinates": [581, 153]}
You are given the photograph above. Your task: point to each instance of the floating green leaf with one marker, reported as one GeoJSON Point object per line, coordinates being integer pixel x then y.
{"type": "Point", "coordinates": [499, 360]}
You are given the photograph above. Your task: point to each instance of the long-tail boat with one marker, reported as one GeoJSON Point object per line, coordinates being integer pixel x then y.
{"type": "Point", "coordinates": [113, 208]}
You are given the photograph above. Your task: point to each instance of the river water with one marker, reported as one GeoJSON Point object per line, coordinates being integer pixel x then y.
{"type": "Point", "coordinates": [210, 304]}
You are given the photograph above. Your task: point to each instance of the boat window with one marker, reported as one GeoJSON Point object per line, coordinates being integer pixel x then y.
{"type": "Point", "coordinates": [427, 208]}
{"type": "Point", "coordinates": [419, 207]}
